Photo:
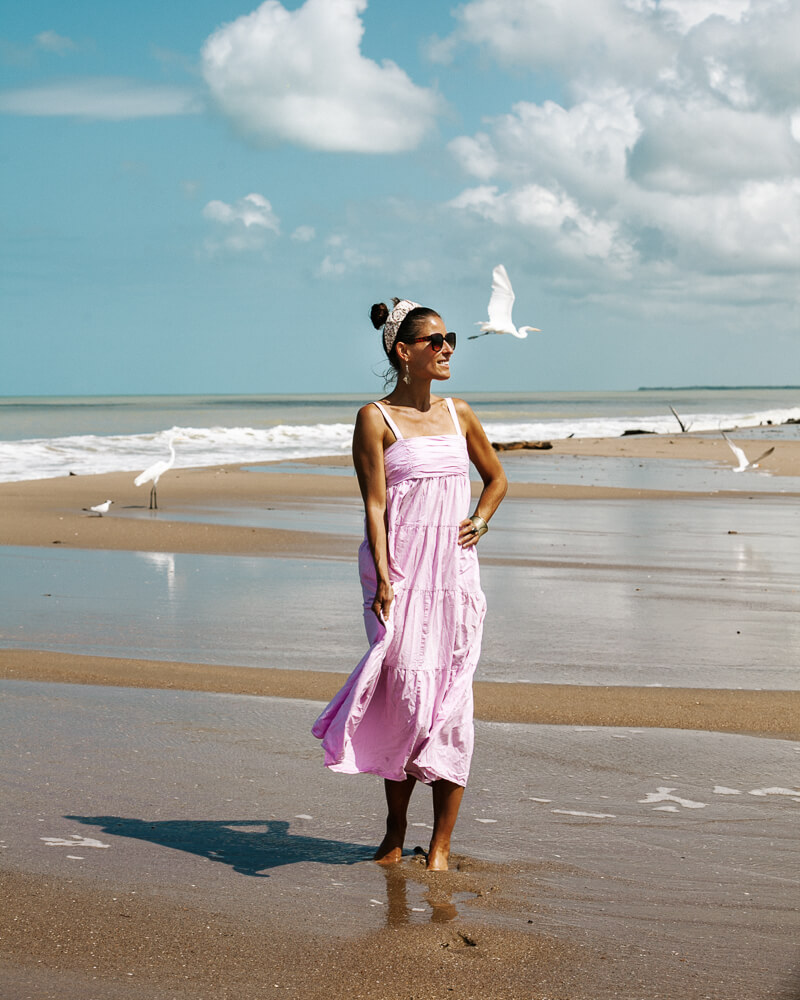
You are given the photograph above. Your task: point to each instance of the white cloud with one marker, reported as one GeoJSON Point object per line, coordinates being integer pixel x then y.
{"type": "Point", "coordinates": [304, 234]}
{"type": "Point", "coordinates": [583, 148]}
{"type": "Point", "coordinates": [555, 219]}
{"type": "Point", "coordinates": [755, 228]}
{"type": "Point", "coordinates": [725, 45]}
{"type": "Point", "coordinates": [673, 160]}
{"type": "Point", "coordinates": [109, 98]}
{"type": "Point", "coordinates": [342, 258]}
{"type": "Point", "coordinates": [51, 41]}
{"type": "Point", "coordinates": [246, 221]}
{"type": "Point", "coordinates": [753, 60]}
{"type": "Point", "coordinates": [581, 37]}
{"type": "Point", "coordinates": [299, 77]}
{"type": "Point", "coordinates": [252, 210]}
{"type": "Point", "coordinates": [695, 146]}
{"type": "Point", "coordinates": [689, 13]}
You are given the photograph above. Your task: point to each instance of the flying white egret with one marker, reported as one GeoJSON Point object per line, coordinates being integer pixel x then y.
{"type": "Point", "coordinates": [155, 472]}
{"type": "Point", "coordinates": [500, 305]}
{"type": "Point", "coordinates": [100, 508]}
{"type": "Point", "coordinates": [742, 458]}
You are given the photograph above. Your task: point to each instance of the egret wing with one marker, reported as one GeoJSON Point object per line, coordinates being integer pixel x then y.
{"type": "Point", "coordinates": [737, 451]}
{"type": "Point", "coordinates": [153, 472]}
{"type": "Point", "coordinates": [501, 301]}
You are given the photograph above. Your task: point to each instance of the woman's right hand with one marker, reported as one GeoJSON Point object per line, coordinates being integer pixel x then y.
{"type": "Point", "coordinates": [382, 601]}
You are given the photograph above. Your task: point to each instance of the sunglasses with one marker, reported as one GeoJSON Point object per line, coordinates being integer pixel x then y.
{"type": "Point", "coordinates": [437, 340]}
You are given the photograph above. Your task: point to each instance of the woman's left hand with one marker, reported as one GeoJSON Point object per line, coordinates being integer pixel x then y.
{"type": "Point", "coordinates": [467, 534]}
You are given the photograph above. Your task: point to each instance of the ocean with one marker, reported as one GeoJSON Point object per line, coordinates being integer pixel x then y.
{"type": "Point", "coordinates": [43, 437]}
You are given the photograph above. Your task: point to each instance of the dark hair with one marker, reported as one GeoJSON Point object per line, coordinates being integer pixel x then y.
{"type": "Point", "coordinates": [409, 329]}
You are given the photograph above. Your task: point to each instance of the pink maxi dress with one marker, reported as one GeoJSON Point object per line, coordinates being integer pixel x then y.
{"type": "Point", "coordinates": [406, 709]}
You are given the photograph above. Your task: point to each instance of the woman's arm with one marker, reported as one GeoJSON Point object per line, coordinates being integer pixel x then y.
{"type": "Point", "coordinates": [484, 458]}
{"type": "Point", "coordinates": [368, 447]}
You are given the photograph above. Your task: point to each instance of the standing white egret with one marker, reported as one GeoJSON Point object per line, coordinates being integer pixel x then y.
{"type": "Point", "coordinates": [500, 305]}
{"type": "Point", "coordinates": [155, 472]}
{"type": "Point", "coordinates": [99, 509]}
{"type": "Point", "coordinates": [740, 455]}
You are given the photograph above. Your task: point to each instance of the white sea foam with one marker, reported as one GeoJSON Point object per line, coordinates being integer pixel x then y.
{"type": "Point", "coordinates": [86, 454]}
{"type": "Point", "coordinates": [89, 454]}
{"type": "Point", "coordinates": [610, 427]}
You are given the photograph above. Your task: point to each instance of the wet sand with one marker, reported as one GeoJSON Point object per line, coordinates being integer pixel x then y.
{"type": "Point", "coordinates": [766, 713]}
{"type": "Point", "coordinates": [634, 843]}
{"type": "Point", "coordinates": [155, 838]}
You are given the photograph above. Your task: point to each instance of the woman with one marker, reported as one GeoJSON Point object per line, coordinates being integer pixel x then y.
{"type": "Point", "coordinates": [405, 712]}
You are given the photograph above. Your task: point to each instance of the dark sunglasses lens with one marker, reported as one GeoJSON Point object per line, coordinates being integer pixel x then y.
{"type": "Point", "coordinates": [438, 340]}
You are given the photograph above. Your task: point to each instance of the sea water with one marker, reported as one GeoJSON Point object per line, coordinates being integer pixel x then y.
{"type": "Point", "coordinates": [42, 437]}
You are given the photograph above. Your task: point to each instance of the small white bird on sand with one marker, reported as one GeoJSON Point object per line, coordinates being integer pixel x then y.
{"type": "Point", "coordinates": [154, 472]}
{"type": "Point", "coordinates": [99, 509]}
{"type": "Point", "coordinates": [500, 305]}
{"type": "Point", "coordinates": [742, 458]}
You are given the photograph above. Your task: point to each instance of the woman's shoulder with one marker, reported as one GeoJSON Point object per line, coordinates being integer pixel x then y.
{"type": "Point", "coordinates": [369, 418]}
{"type": "Point", "coordinates": [369, 410]}
{"type": "Point", "coordinates": [463, 409]}
{"type": "Point", "coordinates": [466, 415]}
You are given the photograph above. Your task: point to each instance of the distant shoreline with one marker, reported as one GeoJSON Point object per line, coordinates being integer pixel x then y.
{"type": "Point", "coordinates": [709, 388]}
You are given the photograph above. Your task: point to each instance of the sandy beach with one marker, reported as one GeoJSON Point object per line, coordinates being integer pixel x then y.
{"type": "Point", "coordinates": [558, 892]}
{"type": "Point", "coordinates": [48, 511]}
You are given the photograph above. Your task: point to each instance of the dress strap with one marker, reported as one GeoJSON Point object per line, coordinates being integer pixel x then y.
{"type": "Point", "coordinates": [392, 425]}
{"type": "Point", "coordinates": [453, 414]}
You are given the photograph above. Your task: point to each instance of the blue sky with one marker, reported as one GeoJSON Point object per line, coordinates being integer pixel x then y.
{"type": "Point", "coordinates": [207, 196]}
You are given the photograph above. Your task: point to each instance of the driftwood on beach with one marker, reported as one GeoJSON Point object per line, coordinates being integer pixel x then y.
{"type": "Point", "coordinates": [518, 445]}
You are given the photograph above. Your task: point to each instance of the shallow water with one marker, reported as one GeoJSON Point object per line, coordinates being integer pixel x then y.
{"type": "Point", "coordinates": [643, 473]}
{"type": "Point", "coordinates": [619, 471]}
{"type": "Point", "coordinates": [696, 593]}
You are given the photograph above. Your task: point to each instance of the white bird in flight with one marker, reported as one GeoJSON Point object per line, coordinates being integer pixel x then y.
{"type": "Point", "coordinates": [740, 455]}
{"type": "Point", "coordinates": [100, 508]}
{"type": "Point", "coordinates": [154, 472]}
{"type": "Point", "coordinates": [500, 305]}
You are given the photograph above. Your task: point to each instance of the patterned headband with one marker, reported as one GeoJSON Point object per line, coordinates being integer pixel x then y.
{"type": "Point", "coordinates": [396, 317]}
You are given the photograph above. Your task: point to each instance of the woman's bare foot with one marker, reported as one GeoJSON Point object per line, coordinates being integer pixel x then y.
{"type": "Point", "coordinates": [390, 850]}
{"type": "Point", "coordinates": [438, 858]}
{"type": "Point", "coordinates": [398, 794]}
{"type": "Point", "coordinates": [446, 802]}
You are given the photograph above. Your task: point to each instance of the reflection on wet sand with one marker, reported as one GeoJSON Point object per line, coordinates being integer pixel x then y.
{"type": "Point", "coordinates": [438, 894]}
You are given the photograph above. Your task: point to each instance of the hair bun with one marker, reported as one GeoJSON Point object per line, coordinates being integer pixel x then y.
{"type": "Point", "coordinates": [379, 313]}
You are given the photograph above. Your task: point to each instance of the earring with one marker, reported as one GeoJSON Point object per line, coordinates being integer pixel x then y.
{"type": "Point", "coordinates": [406, 376]}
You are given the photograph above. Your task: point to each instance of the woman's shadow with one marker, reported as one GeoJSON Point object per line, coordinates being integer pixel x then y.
{"type": "Point", "coordinates": [250, 847]}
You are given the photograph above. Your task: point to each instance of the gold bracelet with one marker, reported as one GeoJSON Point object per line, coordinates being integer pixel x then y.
{"type": "Point", "coordinates": [481, 527]}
